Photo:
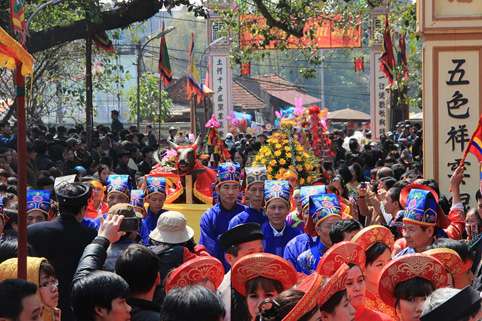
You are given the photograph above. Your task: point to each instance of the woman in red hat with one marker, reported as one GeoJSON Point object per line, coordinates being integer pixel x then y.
{"type": "Point", "coordinates": [314, 298]}
{"type": "Point", "coordinates": [203, 270]}
{"type": "Point", "coordinates": [377, 241]}
{"type": "Point", "coordinates": [260, 276]}
{"type": "Point", "coordinates": [406, 282]}
{"type": "Point", "coordinates": [352, 254]}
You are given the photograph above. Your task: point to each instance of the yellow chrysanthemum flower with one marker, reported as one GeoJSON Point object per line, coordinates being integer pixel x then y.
{"type": "Point", "coordinates": [278, 146]}
{"type": "Point", "coordinates": [282, 161]}
{"type": "Point", "coordinates": [298, 159]}
{"type": "Point", "coordinates": [289, 155]}
{"type": "Point", "coordinates": [273, 162]}
{"type": "Point", "coordinates": [277, 153]}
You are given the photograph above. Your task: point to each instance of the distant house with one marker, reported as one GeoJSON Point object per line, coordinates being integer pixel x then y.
{"type": "Point", "coordinates": [259, 96]}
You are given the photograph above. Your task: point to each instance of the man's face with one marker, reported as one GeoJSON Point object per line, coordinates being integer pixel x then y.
{"type": "Point", "coordinates": [121, 311]}
{"type": "Point", "coordinates": [244, 249]}
{"type": "Point", "coordinates": [69, 155]}
{"type": "Point", "coordinates": [389, 205]}
{"type": "Point", "coordinates": [114, 116]}
{"type": "Point", "coordinates": [417, 237]}
{"type": "Point", "coordinates": [156, 201]}
{"type": "Point", "coordinates": [35, 216]}
{"type": "Point", "coordinates": [31, 309]}
{"type": "Point", "coordinates": [276, 211]}
{"type": "Point", "coordinates": [116, 198]}
{"type": "Point", "coordinates": [124, 159]}
{"type": "Point", "coordinates": [323, 229]}
{"type": "Point", "coordinates": [228, 193]}
{"type": "Point", "coordinates": [255, 195]}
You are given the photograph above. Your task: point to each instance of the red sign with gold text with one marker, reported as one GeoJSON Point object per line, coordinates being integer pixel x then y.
{"type": "Point", "coordinates": [325, 35]}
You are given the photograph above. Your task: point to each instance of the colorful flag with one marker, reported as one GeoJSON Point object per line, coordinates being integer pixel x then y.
{"type": "Point", "coordinates": [164, 63]}
{"type": "Point", "coordinates": [387, 60]}
{"type": "Point", "coordinates": [475, 143]}
{"type": "Point", "coordinates": [17, 14]}
{"type": "Point", "coordinates": [102, 41]}
{"type": "Point", "coordinates": [194, 85]}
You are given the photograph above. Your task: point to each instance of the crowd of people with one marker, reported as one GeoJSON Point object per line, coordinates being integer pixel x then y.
{"type": "Point", "coordinates": [370, 239]}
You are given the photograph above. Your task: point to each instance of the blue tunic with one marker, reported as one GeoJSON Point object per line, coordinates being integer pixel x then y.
{"type": "Point", "coordinates": [295, 247]}
{"type": "Point", "coordinates": [148, 224]}
{"type": "Point", "coordinates": [276, 244]}
{"type": "Point", "coordinates": [309, 259]}
{"type": "Point", "coordinates": [214, 222]}
{"type": "Point", "coordinates": [250, 215]}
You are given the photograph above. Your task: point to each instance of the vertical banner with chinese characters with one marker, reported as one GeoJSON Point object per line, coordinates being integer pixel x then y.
{"type": "Point", "coordinates": [457, 108]}
{"type": "Point", "coordinates": [220, 86]}
{"type": "Point", "coordinates": [378, 98]}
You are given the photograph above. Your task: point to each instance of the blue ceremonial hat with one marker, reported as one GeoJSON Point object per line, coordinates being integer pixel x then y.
{"type": "Point", "coordinates": [421, 208]}
{"type": "Point", "coordinates": [276, 189]}
{"type": "Point", "coordinates": [119, 183]}
{"type": "Point", "coordinates": [137, 201]}
{"type": "Point", "coordinates": [323, 206]}
{"type": "Point", "coordinates": [229, 172]}
{"type": "Point", "coordinates": [307, 191]}
{"type": "Point", "coordinates": [155, 184]}
{"type": "Point", "coordinates": [255, 175]}
{"type": "Point", "coordinates": [38, 200]}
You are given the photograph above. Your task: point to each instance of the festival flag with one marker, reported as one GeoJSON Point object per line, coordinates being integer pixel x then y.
{"type": "Point", "coordinates": [387, 60]}
{"type": "Point", "coordinates": [194, 85]}
{"type": "Point", "coordinates": [246, 69]}
{"type": "Point", "coordinates": [17, 15]}
{"type": "Point", "coordinates": [164, 63]}
{"type": "Point", "coordinates": [359, 63]}
{"type": "Point", "coordinates": [475, 143]}
{"type": "Point", "coordinates": [102, 41]}
{"type": "Point", "coordinates": [403, 55]}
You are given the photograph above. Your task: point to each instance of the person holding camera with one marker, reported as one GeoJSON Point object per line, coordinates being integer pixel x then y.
{"type": "Point", "coordinates": [130, 226]}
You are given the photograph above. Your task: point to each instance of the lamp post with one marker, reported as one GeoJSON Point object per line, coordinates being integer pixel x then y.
{"type": "Point", "coordinates": [140, 49]}
{"type": "Point", "coordinates": [22, 156]}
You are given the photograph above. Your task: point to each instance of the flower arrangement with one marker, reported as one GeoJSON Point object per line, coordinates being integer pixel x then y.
{"type": "Point", "coordinates": [282, 154]}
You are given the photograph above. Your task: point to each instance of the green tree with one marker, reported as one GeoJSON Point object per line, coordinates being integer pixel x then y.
{"type": "Point", "coordinates": [150, 98]}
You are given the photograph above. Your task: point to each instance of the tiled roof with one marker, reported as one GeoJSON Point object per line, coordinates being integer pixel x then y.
{"type": "Point", "coordinates": [245, 99]}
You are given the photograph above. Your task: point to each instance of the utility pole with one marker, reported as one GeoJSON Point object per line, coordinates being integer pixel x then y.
{"type": "Point", "coordinates": [88, 86]}
{"type": "Point", "coordinates": [322, 79]}
{"type": "Point", "coordinates": [138, 105]}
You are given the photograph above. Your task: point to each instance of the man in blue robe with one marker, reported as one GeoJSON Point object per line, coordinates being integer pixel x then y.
{"type": "Point", "coordinates": [255, 177]}
{"type": "Point", "coordinates": [324, 210]}
{"type": "Point", "coordinates": [215, 220]}
{"type": "Point", "coordinates": [277, 206]}
{"type": "Point", "coordinates": [302, 242]}
{"type": "Point", "coordinates": [155, 196]}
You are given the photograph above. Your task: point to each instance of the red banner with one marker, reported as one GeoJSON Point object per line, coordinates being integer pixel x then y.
{"type": "Point", "coordinates": [325, 35]}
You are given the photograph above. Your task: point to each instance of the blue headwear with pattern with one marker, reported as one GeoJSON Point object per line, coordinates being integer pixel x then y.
{"type": "Point", "coordinates": [276, 189]}
{"type": "Point", "coordinates": [255, 175]}
{"type": "Point", "coordinates": [155, 184]}
{"type": "Point", "coordinates": [229, 172]}
{"type": "Point", "coordinates": [137, 198]}
{"type": "Point", "coordinates": [421, 208]}
{"type": "Point", "coordinates": [323, 206]}
{"type": "Point", "coordinates": [307, 191]}
{"type": "Point", "coordinates": [38, 200]}
{"type": "Point", "coordinates": [119, 183]}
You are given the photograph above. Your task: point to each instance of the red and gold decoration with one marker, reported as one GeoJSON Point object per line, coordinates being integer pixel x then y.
{"type": "Point", "coordinates": [311, 285]}
{"type": "Point", "coordinates": [264, 265]}
{"type": "Point", "coordinates": [408, 267]}
{"type": "Point", "coordinates": [370, 235]}
{"type": "Point", "coordinates": [194, 271]}
{"type": "Point", "coordinates": [341, 253]}
{"type": "Point", "coordinates": [452, 261]}
{"type": "Point", "coordinates": [335, 284]}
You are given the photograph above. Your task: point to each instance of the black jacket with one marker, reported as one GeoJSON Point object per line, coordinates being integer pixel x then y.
{"type": "Point", "coordinates": [143, 310]}
{"type": "Point", "coordinates": [93, 259]}
{"type": "Point", "coordinates": [61, 242]}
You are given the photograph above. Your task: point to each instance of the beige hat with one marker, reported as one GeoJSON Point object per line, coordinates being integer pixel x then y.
{"type": "Point", "coordinates": [172, 228]}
